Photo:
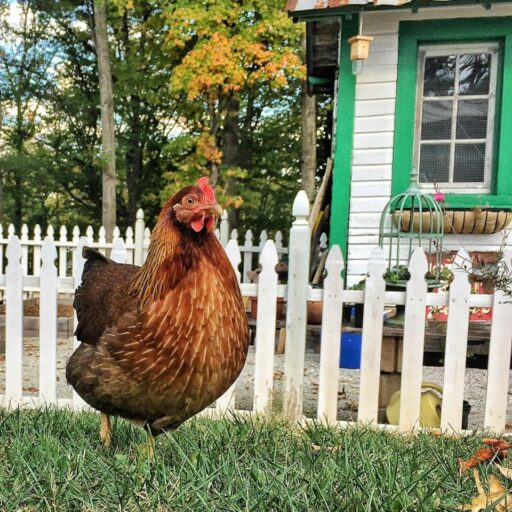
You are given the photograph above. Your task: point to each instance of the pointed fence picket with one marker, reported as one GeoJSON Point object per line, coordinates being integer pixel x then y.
{"type": "Point", "coordinates": [300, 240]}
{"type": "Point", "coordinates": [374, 298]}
{"type": "Point", "coordinates": [227, 400]}
{"type": "Point", "coordinates": [456, 344]}
{"type": "Point", "coordinates": [499, 358]}
{"type": "Point", "coordinates": [414, 341]}
{"type": "Point", "coordinates": [39, 258]}
{"type": "Point", "coordinates": [48, 324]}
{"type": "Point", "coordinates": [330, 337]}
{"type": "Point", "coordinates": [265, 334]}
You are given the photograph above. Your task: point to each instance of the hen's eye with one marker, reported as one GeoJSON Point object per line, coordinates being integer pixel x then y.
{"type": "Point", "coordinates": [189, 200]}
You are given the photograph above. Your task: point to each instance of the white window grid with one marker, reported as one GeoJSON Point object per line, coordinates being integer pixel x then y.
{"type": "Point", "coordinates": [442, 50]}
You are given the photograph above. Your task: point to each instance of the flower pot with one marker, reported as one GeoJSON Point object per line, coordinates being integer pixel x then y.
{"type": "Point", "coordinates": [473, 221]}
{"type": "Point", "coordinates": [315, 308]}
{"type": "Point", "coordinates": [279, 307]}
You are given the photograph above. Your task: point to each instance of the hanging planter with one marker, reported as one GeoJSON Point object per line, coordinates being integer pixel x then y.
{"type": "Point", "coordinates": [461, 222]}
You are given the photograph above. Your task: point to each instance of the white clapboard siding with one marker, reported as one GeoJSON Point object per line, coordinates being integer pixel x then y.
{"type": "Point", "coordinates": [374, 124]}
{"type": "Point", "coordinates": [266, 328]}
{"type": "Point", "coordinates": [79, 261]}
{"type": "Point", "coordinates": [499, 358]}
{"type": "Point", "coordinates": [378, 74]}
{"type": "Point", "coordinates": [330, 337]}
{"type": "Point", "coordinates": [227, 400]}
{"type": "Point", "coordinates": [371, 108]}
{"type": "Point", "coordinates": [373, 156]}
{"type": "Point", "coordinates": [371, 349]}
{"type": "Point", "coordinates": [14, 324]}
{"type": "Point", "coordinates": [382, 90]}
{"type": "Point", "coordinates": [413, 342]}
{"type": "Point", "coordinates": [296, 316]}
{"type": "Point", "coordinates": [456, 344]}
{"type": "Point", "coordinates": [48, 324]}
{"type": "Point", "coordinates": [373, 140]}
{"type": "Point", "coordinates": [371, 172]}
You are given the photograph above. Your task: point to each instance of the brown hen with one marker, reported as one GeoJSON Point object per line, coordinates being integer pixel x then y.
{"type": "Point", "coordinates": [161, 342]}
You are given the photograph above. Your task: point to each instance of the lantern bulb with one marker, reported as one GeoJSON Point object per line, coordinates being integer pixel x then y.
{"type": "Point", "coordinates": [357, 67]}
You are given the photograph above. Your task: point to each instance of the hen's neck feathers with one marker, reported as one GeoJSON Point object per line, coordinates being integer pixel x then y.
{"type": "Point", "coordinates": [174, 251]}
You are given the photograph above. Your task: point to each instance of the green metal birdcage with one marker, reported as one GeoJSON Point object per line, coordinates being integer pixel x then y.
{"type": "Point", "coordinates": [409, 220]}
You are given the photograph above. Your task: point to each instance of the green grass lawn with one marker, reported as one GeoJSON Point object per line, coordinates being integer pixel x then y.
{"type": "Point", "coordinates": [52, 460]}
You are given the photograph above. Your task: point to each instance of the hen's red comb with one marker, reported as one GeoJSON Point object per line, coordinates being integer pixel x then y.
{"type": "Point", "coordinates": [205, 187]}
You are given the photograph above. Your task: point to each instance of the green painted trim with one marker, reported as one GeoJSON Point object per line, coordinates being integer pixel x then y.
{"type": "Point", "coordinates": [318, 80]}
{"type": "Point", "coordinates": [342, 163]}
{"type": "Point", "coordinates": [413, 33]}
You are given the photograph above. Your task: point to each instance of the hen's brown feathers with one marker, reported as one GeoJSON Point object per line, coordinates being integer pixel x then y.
{"type": "Point", "coordinates": [162, 341]}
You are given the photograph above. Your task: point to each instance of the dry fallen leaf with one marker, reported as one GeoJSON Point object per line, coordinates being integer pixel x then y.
{"type": "Point", "coordinates": [497, 496]}
{"type": "Point", "coordinates": [495, 449]}
{"type": "Point", "coordinates": [506, 472]}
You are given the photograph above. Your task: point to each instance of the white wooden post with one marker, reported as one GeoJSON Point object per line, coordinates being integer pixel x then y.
{"type": "Point", "coordinates": [50, 231]}
{"type": "Point", "coordinates": [102, 240]}
{"type": "Point", "coordinates": [89, 233]}
{"type": "Point", "coordinates": [79, 261]}
{"type": "Point", "coordinates": [63, 251]}
{"type": "Point", "coordinates": [224, 228]}
{"type": "Point", "coordinates": [296, 317]}
{"type": "Point", "coordinates": [24, 249]}
{"type": "Point", "coordinates": [414, 342]}
{"type": "Point", "coordinates": [116, 233]}
{"type": "Point", "coordinates": [145, 244]}
{"type": "Point", "coordinates": [247, 257]}
{"type": "Point", "coordinates": [139, 238]}
{"type": "Point", "coordinates": [456, 344]}
{"type": "Point", "coordinates": [264, 238]}
{"type": "Point", "coordinates": [279, 242]}
{"type": "Point", "coordinates": [118, 253]}
{"type": "Point", "coordinates": [76, 242]}
{"type": "Point", "coordinates": [499, 358]}
{"type": "Point", "coordinates": [36, 261]}
{"type": "Point", "coordinates": [129, 244]}
{"type": "Point", "coordinates": [227, 400]}
{"type": "Point", "coordinates": [265, 329]}
{"type": "Point", "coordinates": [374, 294]}
{"type": "Point", "coordinates": [48, 324]}
{"type": "Point", "coordinates": [330, 337]}
{"type": "Point", "coordinates": [13, 324]}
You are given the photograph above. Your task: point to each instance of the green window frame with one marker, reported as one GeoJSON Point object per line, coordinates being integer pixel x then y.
{"type": "Point", "coordinates": [412, 34]}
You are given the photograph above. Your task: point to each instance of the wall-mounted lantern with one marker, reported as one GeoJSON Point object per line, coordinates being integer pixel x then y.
{"type": "Point", "coordinates": [359, 48]}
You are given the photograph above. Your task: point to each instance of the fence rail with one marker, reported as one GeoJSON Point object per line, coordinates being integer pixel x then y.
{"type": "Point", "coordinates": [416, 297]}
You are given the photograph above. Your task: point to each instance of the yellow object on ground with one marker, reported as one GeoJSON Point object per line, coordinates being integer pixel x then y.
{"type": "Point", "coordinates": [430, 406]}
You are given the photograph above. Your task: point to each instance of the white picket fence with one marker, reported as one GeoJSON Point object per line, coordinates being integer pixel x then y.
{"type": "Point", "coordinates": [416, 298]}
{"type": "Point", "coordinates": [136, 242]}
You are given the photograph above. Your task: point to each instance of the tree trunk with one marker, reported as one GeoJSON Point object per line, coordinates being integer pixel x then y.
{"type": "Point", "coordinates": [231, 150]}
{"type": "Point", "coordinates": [108, 210]}
{"type": "Point", "coordinates": [308, 115]}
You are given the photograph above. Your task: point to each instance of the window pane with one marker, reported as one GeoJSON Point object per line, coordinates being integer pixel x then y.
{"type": "Point", "coordinates": [472, 119]}
{"type": "Point", "coordinates": [439, 79]}
{"type": "Point", "coordinates": [474, 73]}
{"type": "Point", "coordinates": [469, 163]}
{"type": "Point", "coordinates": [434, 163]}
{"type": "Point", "coordinates": [436, 122]}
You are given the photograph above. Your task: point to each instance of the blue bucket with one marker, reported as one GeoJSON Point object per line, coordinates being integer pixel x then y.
{"type": "Point", "coordinates": [350, 353]}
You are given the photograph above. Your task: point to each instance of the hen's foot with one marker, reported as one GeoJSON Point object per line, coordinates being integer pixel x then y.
{"type": "Point", "coordinates": [105, 430]}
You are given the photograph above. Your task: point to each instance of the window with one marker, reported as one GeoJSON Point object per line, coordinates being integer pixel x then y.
{"type": "Point", "coordinates": [455, 108]}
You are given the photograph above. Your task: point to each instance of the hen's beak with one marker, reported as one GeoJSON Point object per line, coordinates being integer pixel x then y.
{"type": "Point", "coordinates": [213, 209]}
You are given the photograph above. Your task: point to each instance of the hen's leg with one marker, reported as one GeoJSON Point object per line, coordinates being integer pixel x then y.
{"type": "Point", "coordinates": [105, 430]}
